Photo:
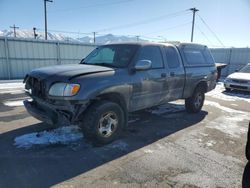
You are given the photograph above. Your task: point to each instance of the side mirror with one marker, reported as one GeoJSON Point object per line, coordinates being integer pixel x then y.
{"type": "Point", "coordinates": [143, 65]}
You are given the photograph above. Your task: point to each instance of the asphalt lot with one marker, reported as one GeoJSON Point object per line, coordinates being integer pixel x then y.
{"type": "Point", "coordinates": [163, 147]}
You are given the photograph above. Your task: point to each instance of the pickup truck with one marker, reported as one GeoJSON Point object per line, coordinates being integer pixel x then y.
{"type": "Point", "coordinates": [117, 79]}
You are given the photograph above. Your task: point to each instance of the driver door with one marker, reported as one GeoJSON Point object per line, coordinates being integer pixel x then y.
{"type": "Point", "coordinates": [147, 85]}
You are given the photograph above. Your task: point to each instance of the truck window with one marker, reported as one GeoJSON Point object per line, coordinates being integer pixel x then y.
{"type": "Point", "coordinates": [195, 56]}
{"type": "Point", "coordinates": [153, 54]}
{"type": "Point", "coordinates": [117, 55]}
{"type": "Point", "coordinates": [172, 58]}
{"type": "Point", "coordinates": [104, 55]}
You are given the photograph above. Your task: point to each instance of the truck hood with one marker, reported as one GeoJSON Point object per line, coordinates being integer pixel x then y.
{"type": "Point", "coordinates": [68, 71]}
{"type": "Point", "coordinates": [240, 76]}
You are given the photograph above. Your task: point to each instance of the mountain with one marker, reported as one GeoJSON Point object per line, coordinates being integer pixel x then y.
{"type": "Point", "coordinates": [102, 39]}
{"type": "Point", "coordinates": [109, 38]}
{"type": "Point", "coordinates": [40, 35]}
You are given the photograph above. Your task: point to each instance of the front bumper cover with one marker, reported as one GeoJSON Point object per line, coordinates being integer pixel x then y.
{"type": "Point", "coordinates": [237, 86]}
{"type": "Point", "coordinates": [55, 113]}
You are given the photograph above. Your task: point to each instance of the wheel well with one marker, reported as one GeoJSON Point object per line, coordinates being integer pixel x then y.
{"type": "Point", "coordinates": [203, 86]}
{"type": "Point", "coordinates": [113, 97]}
{"type": "Point", "coordinates": [118, 99]}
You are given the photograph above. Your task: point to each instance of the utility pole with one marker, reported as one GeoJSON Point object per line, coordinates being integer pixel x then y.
{"type": "Point", "coordinates": [45, 16]}
{"type": "Point", "coordinates": [194, 10]}
{"type": "Point", "coordinates": [94, 33]}
{"type": "Point", "coordinates": [14, 27]}
{"type": "Point", "coordinates": [35, 34]}
{"type": "Point", "coordinates": [137, 38]}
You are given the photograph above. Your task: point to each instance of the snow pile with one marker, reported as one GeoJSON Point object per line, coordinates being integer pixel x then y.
{"type": "Point", "coordinates": [14, 87]}
{"type": "Point", "coordinates": [230, 123]}
{"type": "Point", "coordinates": [63, 135]}
{"type": "Point", "coordinates": [220, 93]}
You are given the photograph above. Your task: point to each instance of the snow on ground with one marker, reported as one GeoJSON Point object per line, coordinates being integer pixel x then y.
{"type": "Point", "coordinates": [16, 101]}
{"type": "Point", "coordinates": [168, 108]}
{"type": "Point", "coordinates": [118, 144]}
{"type": "Point", "coordinates": [12, 87]}
{"type": "Point", "coordinates": [62, 135]}
{"type": "Point", "coordinates": [230, 123]}
{"type": "Point", "coordinates": [220, 93]}
{"type": "Point", "coordinates": [13, 103]}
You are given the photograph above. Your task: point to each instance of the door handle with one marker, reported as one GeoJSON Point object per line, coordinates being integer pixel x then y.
{"type": "Point", "coordinates": [163, 75]}
{"type": "Point", "coordinates": [172, 74]}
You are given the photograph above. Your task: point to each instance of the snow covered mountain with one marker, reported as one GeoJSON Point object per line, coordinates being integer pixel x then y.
{"type": "Point", "coordinates": [102, 39]}
{"type": "Point", "coordinates": [40, 35]}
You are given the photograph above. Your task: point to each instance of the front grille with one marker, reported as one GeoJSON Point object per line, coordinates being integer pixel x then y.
{"type": "Point", "coordinates": [238, 87]}
{"type": "Point", "coordinates": [36, 86]}
{"type": "Point", "coordinates": [240, 81]}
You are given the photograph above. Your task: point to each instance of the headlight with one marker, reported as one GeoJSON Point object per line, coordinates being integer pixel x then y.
{"type": "Point", "coordinates": [64, 89]}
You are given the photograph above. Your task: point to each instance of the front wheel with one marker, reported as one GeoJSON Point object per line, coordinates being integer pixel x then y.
{"type": "Point", "coordinates": [248, 151]}
{"type": "Point", "coordinates": [195, 103]}
{"type": "Point", "coordinates": [103, 122]}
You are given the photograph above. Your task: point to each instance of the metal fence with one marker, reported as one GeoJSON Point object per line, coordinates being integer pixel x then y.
{"type": "Point", "coordinates": [20, 56]}
{"type": "Point", "coordinates": [235, 58]}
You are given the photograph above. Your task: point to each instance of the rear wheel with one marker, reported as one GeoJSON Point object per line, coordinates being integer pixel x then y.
{"type": "Point", "coordinates": [103, 122]}
{"type": "Point", "coordinates": [195, 103]}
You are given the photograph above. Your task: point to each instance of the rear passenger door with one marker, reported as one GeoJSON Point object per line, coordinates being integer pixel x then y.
{"type": "Point", "coordinates": [148, 85]}
{"type": "Point", "coordinates": [176, 78]}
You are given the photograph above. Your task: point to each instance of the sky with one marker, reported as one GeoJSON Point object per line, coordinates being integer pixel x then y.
{"type": "Point", "coordinates": [218, 23]}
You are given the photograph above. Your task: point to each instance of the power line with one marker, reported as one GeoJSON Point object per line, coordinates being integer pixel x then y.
{"type": "Point", "coordinates": [172, 15]}
{"type": "Point", "coordinates": [169, 28]}
{"type": "Point", "coordinates": [93, 5]}
{"type": "Point", "coordinates": [204, 34]}
{"type": "Point", "coordinates": [211, 30]}
{"type": "Point", "coordinates": [69, 32]}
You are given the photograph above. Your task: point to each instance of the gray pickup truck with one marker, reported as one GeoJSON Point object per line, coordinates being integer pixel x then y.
{"type": "Point", "coordinates": [117, 79]}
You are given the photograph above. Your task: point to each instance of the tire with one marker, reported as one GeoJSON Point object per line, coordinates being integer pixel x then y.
{"type": "Point", "coordinates": [103, 122]}
{"type": "Point", "coordinates": [248, 144]}
{"type": "Point", "coordinates": [248, 151]}
{"type": "Point", "coordinates": [195, 103]}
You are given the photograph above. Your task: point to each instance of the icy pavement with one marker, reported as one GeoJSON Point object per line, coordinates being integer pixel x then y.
{"type": "Point", "coordinates": [220, 93]}
{"type": "Point", "coordinates": [63, 135]}
{"type": "Point", "coordinates": [229, 123]}
{"type": "Point", "coordinates": [12, 87]}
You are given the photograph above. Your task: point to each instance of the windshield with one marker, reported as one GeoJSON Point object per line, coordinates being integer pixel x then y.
{"type": "Point", "coordinates": [111, 55]}
{"type": "Point", "coordinates": [245, 69]}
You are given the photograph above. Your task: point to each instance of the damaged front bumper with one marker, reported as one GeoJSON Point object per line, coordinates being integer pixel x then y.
{"type": "Point", "coordinates": [56, 113]}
